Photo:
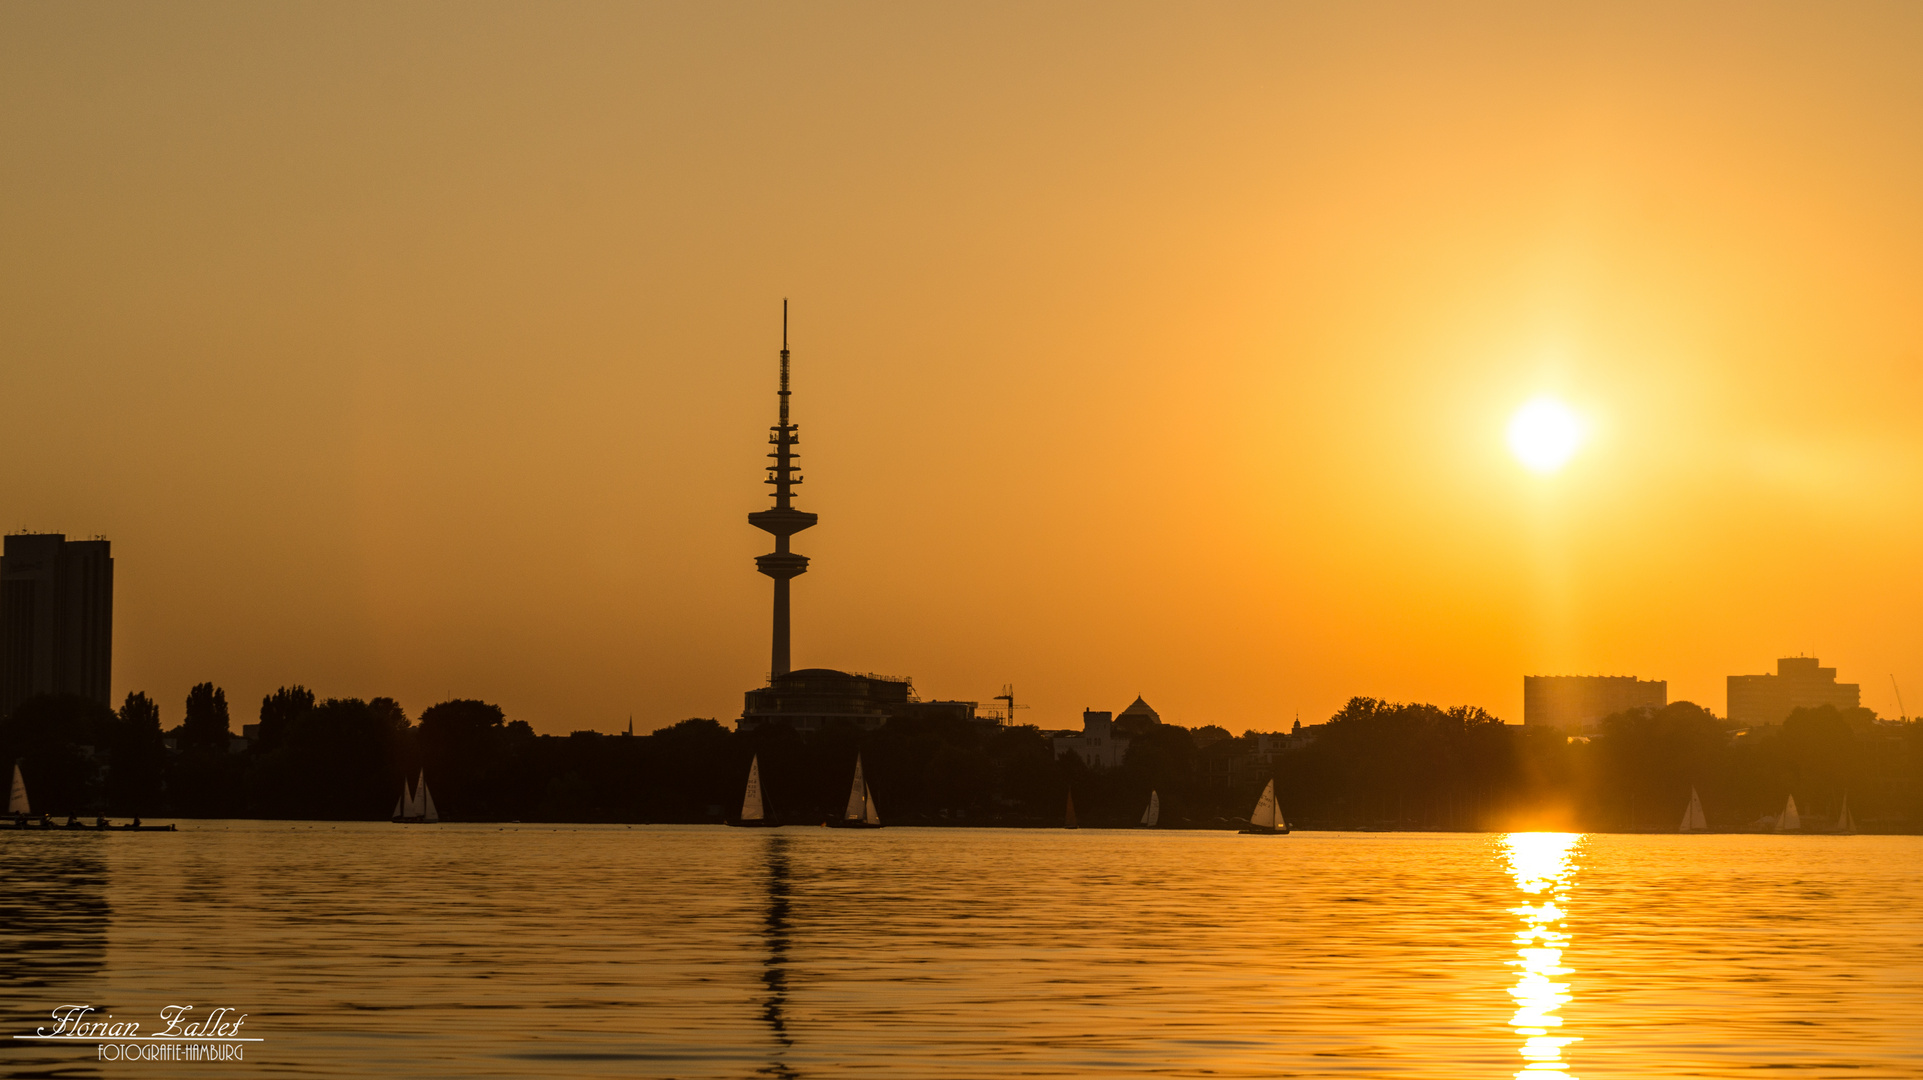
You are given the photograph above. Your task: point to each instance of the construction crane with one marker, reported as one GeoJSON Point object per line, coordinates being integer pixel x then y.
{"type": "Point", "coordinates": [1901, 712]}
{"type": "Point", "coordinates": [1008, 695]}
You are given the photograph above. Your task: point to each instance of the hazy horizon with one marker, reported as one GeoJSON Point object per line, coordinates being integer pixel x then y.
{"type": "Point", "coordinates": [429, 351]}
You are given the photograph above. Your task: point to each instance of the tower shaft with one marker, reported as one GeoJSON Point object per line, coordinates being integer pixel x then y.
{"type": "Point", "coordinates": [782, 520]}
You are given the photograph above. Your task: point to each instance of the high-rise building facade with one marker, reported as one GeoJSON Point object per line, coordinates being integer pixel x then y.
{"type": "Point", "coordinates": [1798, 684]}
{"type": "Point", "coordinates": [1577, 703]}
{"type": "Point", "coordinates": [56, 618]}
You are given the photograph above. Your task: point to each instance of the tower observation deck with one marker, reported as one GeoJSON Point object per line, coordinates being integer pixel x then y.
{"type": "Point", "coordinates": [782, 519]}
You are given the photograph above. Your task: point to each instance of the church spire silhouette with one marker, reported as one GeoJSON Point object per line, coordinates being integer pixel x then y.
{"type": "Point", "coordinates": [782, 520]}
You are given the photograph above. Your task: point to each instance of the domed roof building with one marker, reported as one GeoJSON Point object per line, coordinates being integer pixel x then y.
{"type": "Point", "coordinates": [1103, 741]}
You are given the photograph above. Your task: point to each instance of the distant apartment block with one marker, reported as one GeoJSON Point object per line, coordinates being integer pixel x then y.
{"type": "Point", "coordinates": [1798, 684]}
{"type": "Point", "coordinates": [56, 618]}
{"type": "Point", "coordinates": [1576, 703]}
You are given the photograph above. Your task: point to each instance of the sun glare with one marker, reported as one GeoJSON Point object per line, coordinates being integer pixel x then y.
{"type": "Point", "coordinates": [1544, 435]}
{"type": "Point", "coordinates": [1544, 866]}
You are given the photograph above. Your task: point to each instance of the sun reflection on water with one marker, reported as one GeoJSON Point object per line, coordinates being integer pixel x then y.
{"type": "Point", "coordinates": [1543, 865]}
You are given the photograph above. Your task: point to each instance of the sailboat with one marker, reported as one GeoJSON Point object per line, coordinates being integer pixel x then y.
{"type": "Point", "coordinates": [1693, 819]}
{"type": "Point", "coordinates": [17, 797]}
{"type": "Point", "coordinates": [1845, 824]}
{"type": "Point", "coordinates": [861, 813]}
{"type": "Point", "coordinates": [416, 807]}
{"type": "Point", "coordinates": [1266, 819]}
{"type": "Point", "coordinates": [22, 812]}
{"type": "Point", "coordinates": [751, 808]}
{"type": "Point", "coordinates": [1068, 821]}
{"type": "Point", "coordinates": [1154, 812]}
{"type": "Point", "coordinates": [1789, 820]}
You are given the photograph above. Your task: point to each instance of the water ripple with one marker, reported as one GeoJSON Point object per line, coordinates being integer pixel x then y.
{"type": "Point", "coordinates": [483, 951]}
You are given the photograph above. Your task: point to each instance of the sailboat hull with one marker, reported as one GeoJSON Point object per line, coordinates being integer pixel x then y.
{"type": "Point", "coordinates": [1263, 830]}
{"type": "Point", "coordinates": [414, 821]}
{"type": "Point", "coordinates": [853, 825]}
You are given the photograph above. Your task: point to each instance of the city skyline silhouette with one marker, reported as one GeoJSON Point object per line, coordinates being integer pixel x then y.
{"type": "Point", "coordinates": [1176, 360]}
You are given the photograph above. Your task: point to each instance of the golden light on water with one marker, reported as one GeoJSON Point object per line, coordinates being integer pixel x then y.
{"type": "Point", "coordinates": [1544, 866]}
{"type": "Point", "coordinates": [1544, 434]}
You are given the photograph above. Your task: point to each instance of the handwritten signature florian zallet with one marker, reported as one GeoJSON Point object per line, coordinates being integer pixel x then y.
{"type": "Point", "coordinates": [80, 1022]}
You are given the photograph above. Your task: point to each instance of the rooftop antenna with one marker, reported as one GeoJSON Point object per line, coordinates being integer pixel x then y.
{"type": "Point", "coordinates": [1901, 712]}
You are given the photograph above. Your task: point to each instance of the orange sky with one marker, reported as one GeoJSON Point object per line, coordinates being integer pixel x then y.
{"type": "Point", "coordinates": [428, 350]}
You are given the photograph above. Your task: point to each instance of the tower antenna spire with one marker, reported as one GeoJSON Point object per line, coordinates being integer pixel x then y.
{"type": "Point", "coordinates": [782, 520]}
{"type": "Point", "coordinates": [783, 495]}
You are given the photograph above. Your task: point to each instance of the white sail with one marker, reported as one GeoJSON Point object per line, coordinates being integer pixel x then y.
{"type": "Point", "coordinates": [1154, 811]}
{"type": "Point", "coordinates": [1844, 822]}
{"type": "Point", "coordinates": [428, 812]}
{"type": "Point", "coordinates": [1693, 819]}
{"type": "Point", "coordinates": [17, 797]}
{"type": "Point", "coordinates": [751, 802]}
{"type": "Point", "coordinates": [1265, 815]}
{"type": "Point", "coordinates": [872, 816]}
{"type": "Point", "coordinates": [400, 801]}
{"type": "Point", "coordinates": [416, 801]}
{"type": "Point", "coordinates": [1789, 819]}
{"type": "Point", "coordinates": [857, 796]}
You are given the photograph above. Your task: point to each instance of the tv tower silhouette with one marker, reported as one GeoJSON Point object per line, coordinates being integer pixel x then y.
{"type": "Point", "coordinates": [783, 520]}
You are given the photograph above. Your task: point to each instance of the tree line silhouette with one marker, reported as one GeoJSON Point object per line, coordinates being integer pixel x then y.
{"type": "Point", "coordinates": [1374, 764]}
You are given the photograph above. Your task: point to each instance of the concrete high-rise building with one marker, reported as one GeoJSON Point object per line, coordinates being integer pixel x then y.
{"type": "Point", "coordinates": [783, 520]}
{"type": "Point", "coordinates": [1576, 703]}
{"type": "Point", "coordinates": [1798, 684]}
{"type": "Point", "coordinates": [56, 618]}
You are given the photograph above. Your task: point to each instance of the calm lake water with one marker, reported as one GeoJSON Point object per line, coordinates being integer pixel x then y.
{"type": "Point", "coordinates": [481, 950]}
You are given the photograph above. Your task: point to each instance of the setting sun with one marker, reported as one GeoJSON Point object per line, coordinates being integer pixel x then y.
{"type": "Point", "coordinates": [1544, 435]}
